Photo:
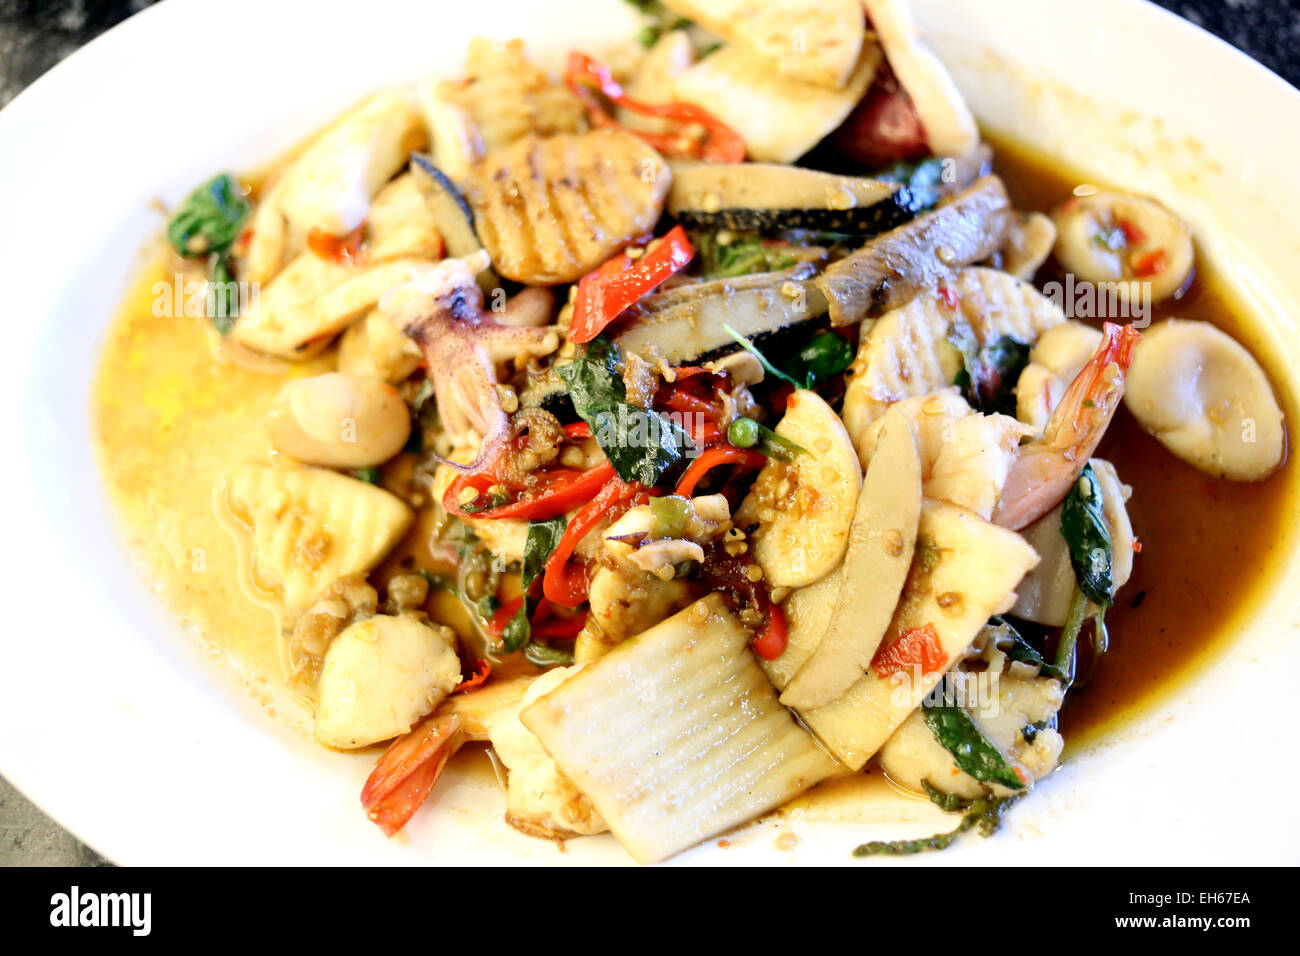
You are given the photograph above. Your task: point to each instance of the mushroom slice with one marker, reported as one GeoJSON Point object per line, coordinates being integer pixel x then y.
{"type": "Point", "coordinates": [297, 530]}
{"type": "Point", "coordinates": [1136, 245]}
{"type": "Point", "coordinates": [1207, 400]}
{"type": "Point", "coordinates": [1054, 362]}
{"type": "Point", "coordinates": [882, 539]}
{"type": "Point", "coordinates": [551, 210]}
{"type": "Point", "coordinates": [339, 420]}
{"type": "Point", "coordinates": [804, 507]}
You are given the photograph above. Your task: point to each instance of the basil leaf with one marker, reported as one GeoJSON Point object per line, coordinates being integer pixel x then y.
{"type": "Point", "coordinates": [223, 296]}
{"type": "Point", "coordinates": [752, 349]}
{"type": "Point", "coordinates": [986, 813]}
{"type": "Point", "coordinates": [371, 475]}
{"type": "Point", "coordinates": [641, 444]}
{"type": "Point", "coordinates": [743, 256]}
{"type": "Point", "coordinates": [989, 373]}
{"type": "Point", "coordinates": [971, 750]}
{"type": "Point", "coordinates": [1083, 523]}
{"type": "Point", "coordinates": [543, 655]}
{"type": "Point", "coordinates": [543, 537]}
{"type": "Point", "coordinates": [824, 357]}
{"type": "Point", "coordinates": [210, 218]}
{"type": "Point", "coordinates": [1021, 650]}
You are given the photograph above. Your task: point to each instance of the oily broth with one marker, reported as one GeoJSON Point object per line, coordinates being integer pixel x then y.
{"type": "Point", "coordinates": [169, 419]}
{"type": "Point", "coordinates": [1211, 549]}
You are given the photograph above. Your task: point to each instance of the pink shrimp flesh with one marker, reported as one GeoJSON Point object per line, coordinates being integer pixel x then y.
{"type": "Point", "coordinates": [408, 770]}
{"type": "Point", "coordinates": [1046, 468]}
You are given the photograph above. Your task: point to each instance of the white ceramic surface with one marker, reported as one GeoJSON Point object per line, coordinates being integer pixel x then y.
{"type": "Point", "coordinates": [111, 718]}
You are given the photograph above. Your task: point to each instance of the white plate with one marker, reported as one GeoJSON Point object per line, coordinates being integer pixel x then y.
{"type": "Point", "coordinates": [111, 720]}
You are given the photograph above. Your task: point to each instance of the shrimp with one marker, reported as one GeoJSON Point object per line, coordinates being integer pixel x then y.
{"type": "Point", "coordinates": [1046, 468]}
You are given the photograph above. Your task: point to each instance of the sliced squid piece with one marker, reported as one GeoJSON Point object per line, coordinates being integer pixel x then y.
{"type": "Point", "coordinates": [330, 186]}
{"type": "Point", "coordinates": [1009, 702]}
{"type": "Point", "coordinates": [550, 210]}
{"type": "Point", "coordinates": [314, 299]}
{"type": "Point", "coordinates": [297, 530]}
{"type": "Point", "coordinates": [804, 507]}
{"type": "Point", "coordinates": [1045, 594]}
{"type": "Point", "coordinates": [402, 224]}
{"type": "Point", "coordinates": [1206, 399]}
{"type": "Point", "coordinates": [374, 348]}
{"type": "Point", "coordinates": [950, 128]}
{"type": "Point", "coordinates": [1120, 238]}
{"type": "Point", "coordinates": [963, 572]}
{"type": "Point", "coordinates": [624, 602]}
{"type": "Point", "coordinates": [676, 735]}
{"type": "Point", "coordinates": [807, 41]}
{"type": "Point", "coordinates": [778, 119]}
{"type": "Point", "coordinates": [382, 675]}
{"type": "Point", "coordinates": [907, 353]}
{"type": "Point", "coordinates": [540, 799]}
{"type": "Point", "coordinates": [1054, 362]}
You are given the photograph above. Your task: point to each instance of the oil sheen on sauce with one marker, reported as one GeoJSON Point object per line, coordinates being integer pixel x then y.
{"type": "Point", "coordinates": [169, 418]}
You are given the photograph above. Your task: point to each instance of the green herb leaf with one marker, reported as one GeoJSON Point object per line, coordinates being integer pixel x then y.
{"type": "Point", "coordinates": [972, 751]}
{"type": "Point", "coordinates": [543, 536]}
{"type": "Point", "coordinates": [641, 444]}
{"type": "Point", "coordinates": [1083, 523]}
{"type": "Point", "coordinates": [370, 476]}
{"type": "Point", "coordinates": [223, 297]}
{"type": "Point", "coordinates": [543, 655]}
{"type": "Point", "coordinates": [989, 373]}
{"type": "Point", "coordinates": [210, 218]}
{"type": "Point", "coordinates": [752, 349]}
{"type": "Point", "coordinates": [947, 802]}
{"type": "Point", "coordinates": [1021, 650]}
{"type": "Point", "coordinates": [824, 357]}
{"type": "Point", "coordinates": [985, 813]}
{"type": "Point", "coordinates": [742, 256]}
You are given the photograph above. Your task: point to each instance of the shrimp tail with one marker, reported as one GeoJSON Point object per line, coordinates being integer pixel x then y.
{"type": "Point", "coordinates": [408, 771]}
{"type": "Point", "coordinates": [1045, 469]}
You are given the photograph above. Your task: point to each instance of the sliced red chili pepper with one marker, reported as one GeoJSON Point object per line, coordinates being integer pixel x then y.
{"type": "Point", "coordinates": [1132, 234]}
{"type": "Point", "coordinates": [721, 144]}
{"type": "Point", "coordinates": [482, 670]}
{"type": "Point", "coordinates": [1150, 263]}
{"type": "Point", "coordinates": [503, 615]}
{"type": "Point", "coordinates": [916, 647]}
{"type": "Point", "coordinates": [771, 642]}
{"type": "Point", "coordinates": [558, 628]}
{"type": "Point", "coordinates": [577, 430]}
{"type": "Point", "coordinates": [683, 401]}
{"type": "Point", "coordinates": [621, 282]}
{"type": "Point", "coordinates": [562, 490]}
{"type": "Point", "coordinates": [565, 585]}
{"type": "Point", "coordinates": [712, 457]}
{"type": "Point", "coordinates": [345, 250]}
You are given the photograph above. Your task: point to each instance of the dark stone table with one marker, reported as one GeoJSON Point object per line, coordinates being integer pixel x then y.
{"type": "Point", "coordinates": [35, 35]}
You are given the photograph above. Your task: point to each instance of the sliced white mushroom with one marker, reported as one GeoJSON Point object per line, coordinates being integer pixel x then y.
{"type": "Point", "coordinates": [1054, 362]}
{"type": "Point", "coordinates": [297, 530]}
{"type": "Point", "coordinates": [1206, 399]}
{"type": "Point", "coordinates": [339, 420]}
{"type": "Point", "coordinates": [803, 508]}
{"type": "Point", "coordinates": [882, 539]}
{"type": "Point", "coordinates": [950, 128]}
{"type": "Point", "coordinates": [1045, 594]}
{"type": "Point", "coordinates": [380, 676]}
{"type": "Point", "coordinates": [1126, 241]}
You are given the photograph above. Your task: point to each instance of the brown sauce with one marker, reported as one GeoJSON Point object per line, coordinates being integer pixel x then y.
{"type": "Point", "coordinates": [1211, 550]}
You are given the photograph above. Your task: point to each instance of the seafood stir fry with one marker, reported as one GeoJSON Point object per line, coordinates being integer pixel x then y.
{"type": "Point", "coordinates": [694, 425]}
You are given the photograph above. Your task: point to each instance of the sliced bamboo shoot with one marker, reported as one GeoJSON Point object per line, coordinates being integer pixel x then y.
{"type": "Point", "coordinates": [882, 539]}
{"type": "Point", "coordinates": [963, 573]}
{"type": "Point", "coordinates": [677, 735]}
